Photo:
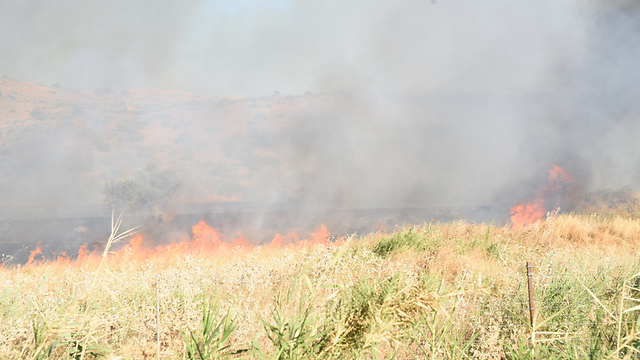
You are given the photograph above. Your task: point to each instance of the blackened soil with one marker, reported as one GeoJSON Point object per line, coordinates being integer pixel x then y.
{"type": "Point", "coordinates": [55, 236]}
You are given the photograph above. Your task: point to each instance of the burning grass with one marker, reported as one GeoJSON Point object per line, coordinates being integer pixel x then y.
{"type": "Point", "coordinates": [453, 290]}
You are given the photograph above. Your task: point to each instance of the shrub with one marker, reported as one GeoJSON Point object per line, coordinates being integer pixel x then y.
{"type": "Point", "coordinates": [150, 188]}
{"type": "Point", "coordinates": [623, 202]}
{"type": "Point", "coordinates": [38, 115]}
{"type": "Point", "coordinates": [103, 91]}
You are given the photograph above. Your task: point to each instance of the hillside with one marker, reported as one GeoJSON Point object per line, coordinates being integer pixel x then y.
{"type": "Point", "coordinates": [88, 138]}
{"type": "Point", "coordinates": [304, 153]}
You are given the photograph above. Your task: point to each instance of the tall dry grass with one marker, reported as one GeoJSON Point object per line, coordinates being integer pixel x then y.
{"type": "Point", "coordinates": [450, 291]}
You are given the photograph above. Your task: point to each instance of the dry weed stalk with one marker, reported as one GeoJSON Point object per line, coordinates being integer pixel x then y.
{"type": "Point", "coordinates": [632, 335]}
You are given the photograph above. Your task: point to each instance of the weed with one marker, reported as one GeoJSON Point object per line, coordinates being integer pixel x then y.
{"type": "Point", "coordinates": [294, 334]}
{"type": "Point", "coordinates": [210, 340]}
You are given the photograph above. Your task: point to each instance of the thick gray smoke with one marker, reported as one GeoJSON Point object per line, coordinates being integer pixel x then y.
{"type": "Point", "coordinates": [408, 103]}
{"type": "Point", "coordinates": [252, 47]}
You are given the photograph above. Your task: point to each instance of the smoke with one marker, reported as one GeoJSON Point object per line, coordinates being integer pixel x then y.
{"type": "Point", "coordinates": [253, 47]}
{"type": "Point", "coordinates": [384, 103]}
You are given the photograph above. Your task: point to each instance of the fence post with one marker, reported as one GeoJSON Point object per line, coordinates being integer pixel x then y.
{"type": "Point", "coordinates": [532, 306]}
{"type": "Point", "coordinates": [158, 316]}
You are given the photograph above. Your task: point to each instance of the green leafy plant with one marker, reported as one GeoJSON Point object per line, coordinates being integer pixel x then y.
{"type": "Point", "coordinates": [44, 341]}
{"type": "Point", "coordinates": [294, 334]}
{"type": "Point", "coordinates": [209, 341]}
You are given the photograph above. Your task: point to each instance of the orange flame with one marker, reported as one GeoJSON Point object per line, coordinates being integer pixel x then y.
{"type": "Point", "coordinates": [527, 213]}
{"type": "Point", "coordinates": [83, 253]}
{"type": "Point", "coordinates": [63, 258]}
{"type": "Point", "coordinates": [133, 248]}
{"type": "Point", "coordinates": [280, 241]}
{"type": "Point", "coordinates": [34, 253]}
{"type": "Point", "coordinates": [559, 175]}
{"type": "Point", "coordinates": [320, 236]}
{"type": "Point", "coordinates": [531, 212]}
{"type": "Point", "coordinates": [204, 242]}
{"type": "Point", "coordinates": [204, 237]}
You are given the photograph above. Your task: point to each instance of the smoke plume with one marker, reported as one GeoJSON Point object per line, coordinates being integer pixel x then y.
{"type": "Point", "coordinates": [311, 106]}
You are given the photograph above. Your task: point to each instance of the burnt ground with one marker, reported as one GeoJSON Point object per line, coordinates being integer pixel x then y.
{"type": "Point", "coordinates": [18, 237]}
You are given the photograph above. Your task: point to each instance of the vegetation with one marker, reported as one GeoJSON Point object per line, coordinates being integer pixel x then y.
{"type": "Point", "coordinates": [438, 291]}
{"type": "Point", "coordinates": [150, 188]}
{"type": "Point", "coordinates": [610, 203]}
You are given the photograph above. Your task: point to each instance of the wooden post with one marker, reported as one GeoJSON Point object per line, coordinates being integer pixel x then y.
{"type": "Point", "coordinates": [158, 317]}
{"type": "Point", "coordinates": [532, 306]}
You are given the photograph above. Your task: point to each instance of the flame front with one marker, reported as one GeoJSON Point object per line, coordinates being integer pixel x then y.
{"type": "Point", "coordinates": [527, 213]}
{"type": "Point", "coordinates": [204, 242]}
{"type": "Point", "coordinates": [531, 212]}
{"type": "Point", "coordinates": [34, 254]}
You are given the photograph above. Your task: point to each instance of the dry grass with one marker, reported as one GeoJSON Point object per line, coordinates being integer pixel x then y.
{"type": "Point", "coordinates": [451, 290]}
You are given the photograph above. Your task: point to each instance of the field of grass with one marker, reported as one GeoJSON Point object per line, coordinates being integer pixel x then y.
{"type": "Point", "coordinates": [438, 291]}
